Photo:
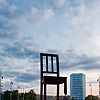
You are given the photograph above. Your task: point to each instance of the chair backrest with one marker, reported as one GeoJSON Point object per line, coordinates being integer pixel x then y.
{"type": "Point", "coordinates": [49, 61]}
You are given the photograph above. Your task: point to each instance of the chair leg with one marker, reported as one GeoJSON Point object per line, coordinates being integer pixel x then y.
{"type": "Point", "coordinates": [44, 91]}
{"type": "Point", "coordinates": [41, 88]}
{"type": "Point", "coordinates": [57, 91]}
{"type": "Point", "coordinates": [65, 88]}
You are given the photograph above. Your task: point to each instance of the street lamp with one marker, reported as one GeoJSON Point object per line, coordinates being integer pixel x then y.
{"type": "Point", "coordinates": [23, 93]}
{"type": "Point", "coordinates": [91, 89]}
{"type": "Point", "coordinates": [1, 77]}
{"type": "Point", "coordinates": [11, 83]}
{"type": "Point", "coordinates": [99, 87]}
{"type": "Point", "coordinates": [18, 92]}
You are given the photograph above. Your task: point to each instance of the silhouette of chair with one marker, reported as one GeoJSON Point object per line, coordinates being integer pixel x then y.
{"type": "Point", "coordinates": [48, 61]}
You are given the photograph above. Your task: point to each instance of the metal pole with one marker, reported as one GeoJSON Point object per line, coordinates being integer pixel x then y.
{"type": "Point", "coordinates": [23, 93]}
{"type": "Point", "coordinates": [18, 93]}
{"type": "Point", "coordinates": [11, 89]}
{"type": "Point", "coordinates": [91, 89]}
{"type": "Point", "coordinates": [99, 87]}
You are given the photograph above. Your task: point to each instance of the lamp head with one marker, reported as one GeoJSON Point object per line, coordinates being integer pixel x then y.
{"type": "Point", "coordinates": [11, 83]}
{"type": "Point", "coordinates": [89, 84]}
{"type": "Point", "coordinates": [2, 77]}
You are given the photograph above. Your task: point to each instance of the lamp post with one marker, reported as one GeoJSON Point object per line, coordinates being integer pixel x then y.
{"type": "Point", "coordinates": [23, 93]}
{"type": "Point", "coordinates": [91, 89]}
{"type": "Point", "coordinates": [0, 85]}
{"type": "Point", "coordinates": [11, 83]}
{"type": "Point", "coordinates": [18, 93]}
{"type": "Point", "coordinates": [99, 87]}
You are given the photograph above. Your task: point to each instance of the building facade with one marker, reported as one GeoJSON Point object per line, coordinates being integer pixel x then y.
{"type": "Point", "coordinates": [78, 86]}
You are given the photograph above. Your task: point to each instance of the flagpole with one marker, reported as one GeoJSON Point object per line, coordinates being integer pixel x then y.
{"type": "Point", "coordinates": [23, 93]}
{"type": "Point", "coordinates": [11, 89]}
{"type": "Point", "coordinates": [99, 87]}
{"type": "Point", "coordinates": [18, 93]}
{"type": "Point", "coordinates": [91, 89]}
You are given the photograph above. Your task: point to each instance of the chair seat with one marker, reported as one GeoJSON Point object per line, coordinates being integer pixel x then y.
{"type": "Point", "coordinates": [53, 80]}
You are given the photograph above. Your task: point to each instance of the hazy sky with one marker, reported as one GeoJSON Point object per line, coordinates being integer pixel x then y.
{"type": "Point", "coordinates": [70, 28]}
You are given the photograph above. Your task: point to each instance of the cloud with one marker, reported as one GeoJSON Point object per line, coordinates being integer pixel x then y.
{"type": "Point", "coordinates": [52, 51]}
{"type": "Point", "coordinates": [21, 76]}
{"type": "Point", "coordinates": [25, 29]}
{"type": "Point", "coordinates": [8, 29]}
{"type": "Point", "coordinates": [72, 60]}
{"type": "Point", "coordinates": [26, 77]}
{"type": "Point", "coordinates": [3, 4]}
{"type": "Point", "coordinates": [10, 15]}
{"type": "Point", "coordinates": [59, 5]}
{"type": "Point", "coordinates": [23, 79]}
{"type": "Point", "coordinates": [79, 12]}
{"type": "Point", "coordinates": [40, 16]}
{"type": "Point", "coordinates": [21, 49]}
{"type": "Point", "coordinates": [65, 33]}
{"type": "Point", "coordinates": [20, 55]}
{"type": "Point", "coordinates": [85, 8]}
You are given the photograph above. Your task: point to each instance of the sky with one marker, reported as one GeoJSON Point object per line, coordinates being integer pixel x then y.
{"type": "Point", "coordinates": [69, 28]}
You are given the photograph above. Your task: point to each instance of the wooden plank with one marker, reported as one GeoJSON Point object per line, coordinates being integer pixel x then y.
{"type": "Point", "coordinates": [52, 62]}
{"type": "Point", "coordinates": [44, 91]}
{"type": "Point", "coordinates": [46, 54]}
{"type": "Point", "coordinates": [57, 61]}
{"type": "Point", "coordinates": [41, 65]}
{"type": "Point", "coordinates": [47, 63]}
{"type": "Point", "coordinates": [50, 72]}
{"type": "Point", "coordinates": [57, 91]}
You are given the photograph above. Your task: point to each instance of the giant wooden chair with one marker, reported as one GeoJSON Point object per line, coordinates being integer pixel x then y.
{"type": "Point", "coordinates": [45, 60]}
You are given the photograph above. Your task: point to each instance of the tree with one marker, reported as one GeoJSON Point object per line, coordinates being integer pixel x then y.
{"type": "Point", "coordinates": [93, 97]}
{"type": "Point", "coordinates": [14, 94]}
{"type": "Point", "coordinates": [65, 98]}
{"type": "Point", "coordinates": [73, 98]}
{"type": "Point", "coordinates": [6, 95]}
{"type": "Point", "coordinates": [31, 95]}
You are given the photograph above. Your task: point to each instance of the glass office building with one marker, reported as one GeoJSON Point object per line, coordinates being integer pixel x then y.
{"type": "Point", "coordinates": [78, 86]}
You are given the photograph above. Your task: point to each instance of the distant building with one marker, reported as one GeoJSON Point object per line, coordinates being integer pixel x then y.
{"type": "Point", "coordinates": [78, 86]}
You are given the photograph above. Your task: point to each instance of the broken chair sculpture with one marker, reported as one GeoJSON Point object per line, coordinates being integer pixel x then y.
{"type": "Point", "coordinates": [50, 65]}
